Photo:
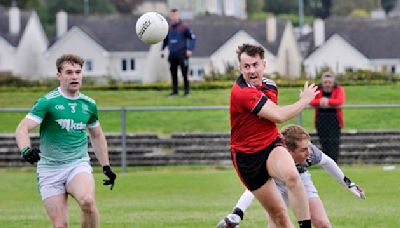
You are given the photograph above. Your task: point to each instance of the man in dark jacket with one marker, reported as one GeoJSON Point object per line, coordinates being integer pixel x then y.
{"type": "Point", "coordinates": [328, 117]}
{"type": "Point", "coordinates": [181, 42]}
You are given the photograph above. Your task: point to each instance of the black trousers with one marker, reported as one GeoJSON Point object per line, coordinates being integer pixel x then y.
{"type": "Point", "coordinates": [183, 63]}
{"type": "Point", "coordinates": [328, 130]}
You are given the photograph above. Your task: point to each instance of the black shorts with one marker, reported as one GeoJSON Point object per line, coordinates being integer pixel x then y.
{"type": "Point", "coordinates": [251, 167]}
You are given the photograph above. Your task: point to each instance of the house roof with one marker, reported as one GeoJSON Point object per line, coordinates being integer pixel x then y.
{"type": "Point", "coordinates": [117, 33]}
{"type": "Point", "coordinates": [213, 31]}
{"type": "Point", "coordinates": [114, 33]}
{"type": "Point", "coordinates": [373, 38]}
{"type": "Point", "coordinates": [13, 39]}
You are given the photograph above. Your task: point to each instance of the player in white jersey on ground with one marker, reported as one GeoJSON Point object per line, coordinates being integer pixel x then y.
{"type": "Point", "coordinates": [305, 154]}
{"type": "Point", "coordinates": [63, 166]}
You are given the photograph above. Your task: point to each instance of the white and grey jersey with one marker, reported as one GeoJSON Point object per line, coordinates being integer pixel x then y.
{"type": "Point", "coordinates": [314, 158]}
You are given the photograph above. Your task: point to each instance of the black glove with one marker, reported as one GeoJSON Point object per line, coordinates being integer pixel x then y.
{"type": "Point", "coordinates": [30, 155]}
{"type": "Point", "coordinates": [110, 174]}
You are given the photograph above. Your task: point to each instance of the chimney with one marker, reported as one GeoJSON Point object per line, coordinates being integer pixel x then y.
{"type": "Point", "coordinates": [61, 23]}
{"type": "Point", "coordinates": [319, 32]}
{"type": "Point", "coordinates": [14, 19]}
{"type": "Point", "coordinates": [271, 29]}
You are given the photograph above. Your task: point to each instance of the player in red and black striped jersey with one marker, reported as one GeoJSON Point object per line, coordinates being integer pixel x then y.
{"type": "Point", "coordinates": [256, 148]}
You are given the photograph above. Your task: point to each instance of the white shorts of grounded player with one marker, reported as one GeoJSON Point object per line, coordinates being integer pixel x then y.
{"type": "Point", "coordinates": [54, 182]}
{"type": "Point", "coordinates": [308, 185]}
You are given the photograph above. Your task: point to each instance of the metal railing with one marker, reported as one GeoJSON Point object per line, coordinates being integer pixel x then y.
{"type": "Point", "coordinates": [124, 110]}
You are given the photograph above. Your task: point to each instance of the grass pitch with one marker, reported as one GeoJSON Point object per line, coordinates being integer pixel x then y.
{"type": "Point", "coordinates": [199, 196]}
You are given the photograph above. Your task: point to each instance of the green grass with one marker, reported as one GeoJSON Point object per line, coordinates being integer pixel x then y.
{"type": "Point", "coordinates": [199, 196]}
{"type": "Point", "coordinates": [208, 121]}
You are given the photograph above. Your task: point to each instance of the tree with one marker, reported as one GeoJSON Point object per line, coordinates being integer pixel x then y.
{"type": "Point", "coordinates": [318, 8]}
{"type": "Point", "coordinates": [254, 6]}
{"type": "Point", "coordinates": [76, 6]}
{"type": "Point", "coordinates": [282, 6]}
{"type": "Point", "coordinates": [126, 6]}
{"type": "Point", "coordinates": [24, 4]}
{"type": "Point", "coordinates": [346, 7]}
{"type": "Point", "coordinates": [388, 5]}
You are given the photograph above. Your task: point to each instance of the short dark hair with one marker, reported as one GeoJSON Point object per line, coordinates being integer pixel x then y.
{"type": "Point", "coordinates": [174, 10]}
{"type": "Point", "coordinates": [251, 50]}
{"type": "Point", "coordinates": [293, 134]}
{"type": "Point", "coordinates": [69, 58]}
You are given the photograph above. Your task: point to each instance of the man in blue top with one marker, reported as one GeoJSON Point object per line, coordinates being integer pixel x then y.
{"type": "Point", "coordinates": [181, 42]}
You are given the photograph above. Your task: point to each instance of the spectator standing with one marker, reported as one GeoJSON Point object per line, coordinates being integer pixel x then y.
{"type": "Point", "coordinates": [181, 42]}
{"type": "Point", "coordinates": [328, 117]}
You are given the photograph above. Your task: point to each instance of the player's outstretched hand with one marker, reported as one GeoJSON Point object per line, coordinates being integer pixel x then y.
{"type": "Point", "coordinates": [354, 188]}
{"type": "Point", "coordinates": [111, 176]}
{"type": "Point", "coordinates": [230, 221]}
{"type": "Point", "coordinates": [309, 92]}
{"type": "Point", "coordinates": [357, 191]}
{"type": "Point", "coordinates": [31, 155]}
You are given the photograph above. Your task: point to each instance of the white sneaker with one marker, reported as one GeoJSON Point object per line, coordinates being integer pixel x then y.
{"type": "Point", "coordinates": [230, 221]}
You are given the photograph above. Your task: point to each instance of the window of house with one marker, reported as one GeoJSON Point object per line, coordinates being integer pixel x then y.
{"type": "Point", "coordinates": [123, 66]}
{"type": "Point", "coordinates": [200, 72]}
{"type": "Point", "coordinates": [393, 69]}
{"type": "Point", "coordinates": [128, 64]}
{"type": "Point", "coordinates": [132, 64]}
{"type": "Point", "coordinates": [88, 65]}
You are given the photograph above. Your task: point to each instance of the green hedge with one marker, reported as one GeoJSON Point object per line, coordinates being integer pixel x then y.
{"type": "Point", "coordinates": [9, 82]}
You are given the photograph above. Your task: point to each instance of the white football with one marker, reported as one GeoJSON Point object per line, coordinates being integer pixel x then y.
{"type": "Point", "coordinates": [151, 28]}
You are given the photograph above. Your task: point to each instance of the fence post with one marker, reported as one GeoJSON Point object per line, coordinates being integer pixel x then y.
{"type": "Point", "coordinates": [123, 140]}
{"type": "Point", "coordinates": [299, 119]}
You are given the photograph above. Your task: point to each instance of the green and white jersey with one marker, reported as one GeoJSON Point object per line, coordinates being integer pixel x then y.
{"type": "Point", "coordinates": [63, 122]}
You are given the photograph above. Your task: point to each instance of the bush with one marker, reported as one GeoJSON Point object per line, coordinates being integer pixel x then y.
{"type": "Point", "coordinates": [7, 79]}
{"type": "Point", "coordinates": [364, 77]}
{"type": "Point", "coordinates": [9, 82]}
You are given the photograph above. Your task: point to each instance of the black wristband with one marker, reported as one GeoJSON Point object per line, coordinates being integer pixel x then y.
{"type": "Point", "coordinates": [305, 224]}
{"type": "Point", "coordinates": [106, 168]}
{"type": "Point", "coordinates": [347, 180]}
{"type": "Point", "coordinates": [239, 212]}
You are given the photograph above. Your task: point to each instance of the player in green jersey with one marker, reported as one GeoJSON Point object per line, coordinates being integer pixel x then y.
{"type": "Point", "coordinates": [63, 166]}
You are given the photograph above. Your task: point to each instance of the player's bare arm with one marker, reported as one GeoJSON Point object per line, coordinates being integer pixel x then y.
{"type": "Point", "coordinates": [22, 132]}
{"type": "Point", "coordinates": [30, 154]}
{"type": "Point", "coordinates": [279, 114]}
{"type": "Point", "coordinates": [99, 144]}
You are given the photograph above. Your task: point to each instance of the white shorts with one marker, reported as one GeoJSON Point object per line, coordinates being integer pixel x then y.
{"type": "Point", "coordinates": [308, 185]}
{"type": "Point", "coordinates": [54, 182]}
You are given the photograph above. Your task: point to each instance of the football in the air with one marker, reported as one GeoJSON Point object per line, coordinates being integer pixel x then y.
{"type": "Point", "coordinates": [151, 28]}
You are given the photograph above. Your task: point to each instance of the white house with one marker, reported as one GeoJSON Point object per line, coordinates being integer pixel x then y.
{"type": "Point", "coordinates": [22, 43]}
{"type": "Point", "coordinates": [117, 53]}
{"type": "Point", "coordinates": [342, 44]}
{"type": "Point", "coordinates": [112, 50]}
{"type": "Point", "coordinates": [219, 37]}
{"type": "Point", "coordinates": [110, 47]}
